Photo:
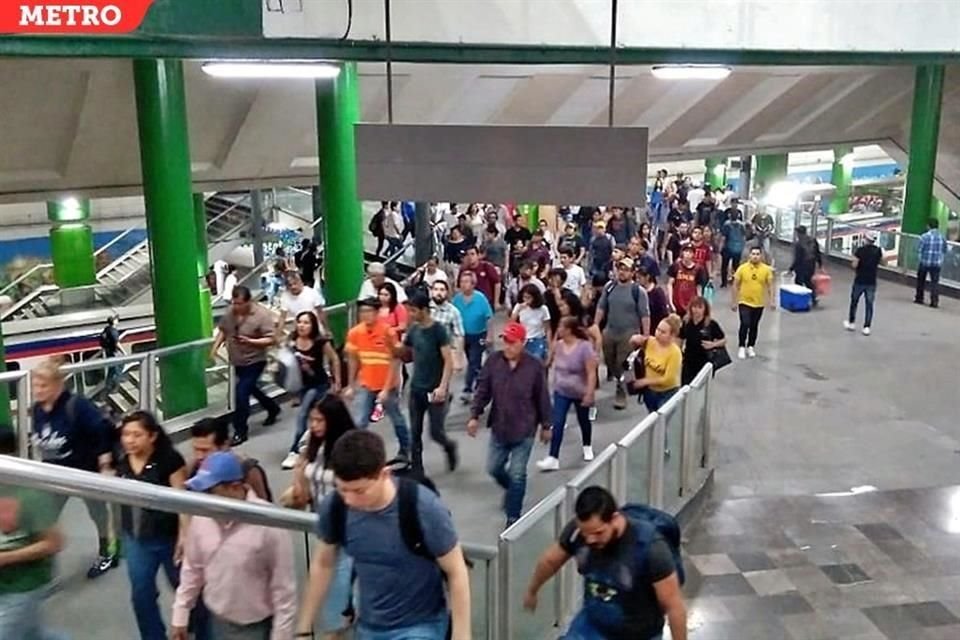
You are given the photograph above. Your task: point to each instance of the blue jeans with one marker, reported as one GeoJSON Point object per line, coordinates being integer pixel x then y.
{"type": "Point", "coordinates": [248, 378]}
{"type": "Point", "coordinates": [561, 406]}
{"type": "Point", "coordinates": [144, 558]}
{"type": "Point", "coordinates": [537, 347]}
{"type": "Point", "coordinates": [653, 400]}
{"type": "Point", "coordinates": [507, 464]}
{"type": "Point", "coordinates": [307, 398]}
{"type": "Point", "coordinates": [21, 616]}
{"type": "Point", "coordinates": [474, 344]}
{"type": "Point", "coordinates": [431, 630]}
{"type": "Point", "coordinates": [868, 290]}
{"type": "Point", "coordinates": [363, 404]}
{"type": "Point", "coordinates": [581, 629]}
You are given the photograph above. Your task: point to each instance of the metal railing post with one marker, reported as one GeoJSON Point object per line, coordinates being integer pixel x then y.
{"type": "Point", "coordinates": [565, 582]}
{"type": "Point", "coordinates": [618, 483]}
{"type": "Point", "coordinates": [708, 383]}
{"type": "Point", "coordinates": [146, 383]}
{"type": "Point", "coordinates": [504, 622]}
{"type": "Point", "coordinates": [493, 600]}
{"type": "Point", "coordinates": [687, 439]}
{"type": "Point", "coordinates": [828, 236]}
{"type": "Point", "coordinates": [24, 417]}
{"type": "Point", "coordinates": [231, 388]}
{"type": "Point", "coordinates": [657, 444]}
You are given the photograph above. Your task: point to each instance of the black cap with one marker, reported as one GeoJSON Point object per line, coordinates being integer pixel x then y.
{"type": "Point", "coordinates": [373, 303]}
{"type": "Point", "coordinates": [419, 300]}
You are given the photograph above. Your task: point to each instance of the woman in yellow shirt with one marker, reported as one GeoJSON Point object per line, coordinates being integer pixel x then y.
{"type": "Point", "coordinates": [663, 363]}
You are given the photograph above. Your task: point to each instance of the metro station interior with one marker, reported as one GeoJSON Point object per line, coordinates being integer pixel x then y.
{"type": "Point", "coordinates": [816, 484]}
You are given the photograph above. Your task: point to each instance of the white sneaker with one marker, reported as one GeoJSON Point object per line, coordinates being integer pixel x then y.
{"type": "Point", "coordinates": [290, 461]}
{"type": "Point", "coordinates": [866, 331]}
{"type": "Point", "coordinates": [751, 352]}
{"type": "Point", "coordinates": [741, 353]}
{"type": "Point", "coordinates": [587, 454]}
{"type": "Point", "coordinates": [548, 464]}
{"type": "Point", "coordinates": [849, 326]}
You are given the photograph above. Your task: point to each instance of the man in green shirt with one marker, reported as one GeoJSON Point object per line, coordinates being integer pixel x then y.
{"type": "Point", "coordinates": [29, 539]}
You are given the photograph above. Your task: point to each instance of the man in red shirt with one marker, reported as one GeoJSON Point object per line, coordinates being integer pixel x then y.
{"type": "Point", "coordinates": [486, 274]}
{"type": "Point", "coordinates": [686, 281]}
{"type": "Point", "coordinates": [702, 251]}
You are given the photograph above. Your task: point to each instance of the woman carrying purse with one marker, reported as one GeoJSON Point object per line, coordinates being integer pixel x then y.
{"type": "Point", "coordinates": [702, 339]}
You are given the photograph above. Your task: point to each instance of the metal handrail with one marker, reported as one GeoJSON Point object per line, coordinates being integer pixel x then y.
{"type": "Point", "coordinates": [27, 299]}
{"type": "Point", "coordinates": [227, 210]}
{"type": "Point", "coordinates": [114, 240]}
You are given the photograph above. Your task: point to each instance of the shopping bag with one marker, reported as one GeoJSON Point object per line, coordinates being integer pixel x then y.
{"type": "Point", "coordinates": [821, 283]}
{"type": "Point", "coordinates": [709, 292]}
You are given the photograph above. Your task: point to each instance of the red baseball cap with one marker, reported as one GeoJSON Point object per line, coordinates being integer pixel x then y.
{"type": "Point", "coordinates": [514, 332]}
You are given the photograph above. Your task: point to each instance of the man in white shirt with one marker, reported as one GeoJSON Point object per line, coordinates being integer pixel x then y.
{"type": "Point", "coordinates": [376, 276]}
{"type": "Point", "coordinates": [576, 277]}
{"type": "Point", "coordinates": [393, 229]}
{"type": "Point", "coordinates": [229, 282]}
{"type": "Point", "coordinates": [220, 269]}
{"type": "Point", "coordinates": [428, 273]}
{"type": "Point", "coordinates": [298, 298]}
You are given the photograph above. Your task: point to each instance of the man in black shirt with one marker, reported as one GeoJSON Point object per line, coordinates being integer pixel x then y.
{"type": "Point", "coordinates": [517, 231]}
{"type": "Point", "coordinates": [866, 260]}
{"type": "Point", "coordinates": [625, 595]}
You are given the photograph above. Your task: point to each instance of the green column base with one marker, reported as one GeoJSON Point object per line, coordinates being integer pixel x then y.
{"type": "Point", "coordinates": [71, 247]}
{"type": "Point", "coordinates": [183, 383]}
{"type": "Point", "coordinates": [206, 312]}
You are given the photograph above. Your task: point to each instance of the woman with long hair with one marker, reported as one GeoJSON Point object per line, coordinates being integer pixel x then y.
{"type": "Point", "coordinates": [151, 539]}
{"type": "Point", "coordinates": [312, 349]}
{"type": "Point", "coordinates": [572, 307]}
{"type": "Point", "coordinates": [391, 311]}
{"type": "Point", "coordinates": [533, 314]}
{"type": "Point", "coordinates": [647, 235]}
{"type": "Point", "coordinates": [574, 366]}
{"type": "Point", "coordinates": [700, 334]}
{"type": "Point", "coordinates": [329, 420]}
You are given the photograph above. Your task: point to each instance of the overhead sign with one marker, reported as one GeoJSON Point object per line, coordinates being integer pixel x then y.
{"type": "Point", "coordinates": [549, 165]}
{"type": "Point", "coordinates": [85, 17]}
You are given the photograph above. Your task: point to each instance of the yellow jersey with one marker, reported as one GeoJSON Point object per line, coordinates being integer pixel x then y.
{"type": "Point", "coordinates": [752, 282]}
{"type": "Point", "coordinates": [662, 362]}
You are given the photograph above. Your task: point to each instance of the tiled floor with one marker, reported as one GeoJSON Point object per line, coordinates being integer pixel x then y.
{"type": "Point", "coordinates": [872, 566]}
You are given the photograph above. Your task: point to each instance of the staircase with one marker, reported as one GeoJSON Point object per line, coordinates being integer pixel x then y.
{"type": "Point", "coordinates": [128, 279]}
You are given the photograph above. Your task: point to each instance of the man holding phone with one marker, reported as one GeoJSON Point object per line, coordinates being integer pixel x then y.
{"type": "Point", "coordinates": [247, 330]}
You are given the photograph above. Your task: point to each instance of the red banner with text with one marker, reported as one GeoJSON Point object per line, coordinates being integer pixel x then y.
{"type": "Point", "coordinates": [77, 17]}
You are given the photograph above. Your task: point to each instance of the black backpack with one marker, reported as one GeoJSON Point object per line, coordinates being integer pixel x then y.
{"type": "Point", "coordinates": [106, 340]}
{"type": "Point", "coordinates": [376, 223]}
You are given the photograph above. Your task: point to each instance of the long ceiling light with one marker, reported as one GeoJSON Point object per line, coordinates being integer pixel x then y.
{"type": "Point", "coordinates": [306, 69]}
{"type": "Point", "coordinates": [690, 72]}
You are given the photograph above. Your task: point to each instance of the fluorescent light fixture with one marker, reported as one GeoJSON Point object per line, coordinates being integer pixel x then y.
{"type": "Point", "coordinates": [256, 69]}
{"type": "Point", "coordinates": [690, 72]}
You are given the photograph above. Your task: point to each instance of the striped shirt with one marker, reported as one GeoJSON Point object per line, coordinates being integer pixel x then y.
{"type": "Point", "coordinates": [373, 348]}
{"type": "Point", "coordinates": [449, 316]}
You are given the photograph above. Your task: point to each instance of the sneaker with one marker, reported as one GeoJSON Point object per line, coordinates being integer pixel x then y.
{"type": "Point", "coordinates": [751, 352]}
{"type": "Point", "coordinates": [377, 414]}
{"type": "Point", "coordinates": [101, 565]}
{"type": "Point", "coordinates": [403, 455]}
{"type": "Point", "coordinates": [271, 418]}
{"type": "Point", "coordinates": [742, 353]}
{"type": "Point", "coordinates": [466, 397]}
{"type": "Point", "coordinates": [593, 414]}
{"type": "Point", "coordinates": [290, 461]}
{"type": "Point", "coordinates": [453, 457]}
{"type": "Point", "coordinates": [620, 400]}
{"type": "Point", "coordinates": [237, 440]}
{"type": "Point", "coordinates": [849, 326]}
{"type": "Point", "coordinates": [866, 331]}
{"type": "Point", "coordinates": [548, 464]}
{"type": "Point", "coordinates": [587, 454]}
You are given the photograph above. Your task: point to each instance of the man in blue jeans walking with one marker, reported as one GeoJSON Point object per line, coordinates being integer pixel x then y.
{"type": "Point", "coordinates": [476, 312]}
{"type": "Point", "coordinates": [514, 384]}
{"type": "Point", "coordinates": [866, 260]}
{"type": "Point", "coordinates": [247, 329]}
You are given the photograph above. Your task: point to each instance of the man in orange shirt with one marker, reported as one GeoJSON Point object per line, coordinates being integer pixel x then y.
{"type": "Point", "coordinates": [371, 372]}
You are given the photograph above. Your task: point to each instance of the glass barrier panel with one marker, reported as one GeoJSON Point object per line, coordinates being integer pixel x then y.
{"type": "Point", "coordinates": [299, 202]}
{"type": "Point", "coordinates": [671, 461]}
{"type": "Point", "coordinates": [479, 574]}
{"type": "Point", "coordinates": [598, 477]}
{"type": "Point", "coordinates": [638, 468]}
{"type": "Point", "coordinates": [951, 263]}
{"type": "Point", "coordinates": [786, 224]}
{"type": "Point", "coordinates": [524, 553]}
{"type": "Point", "coordinates": [114, 388]}
{"type": "Point", "coordinates": [178, 380]}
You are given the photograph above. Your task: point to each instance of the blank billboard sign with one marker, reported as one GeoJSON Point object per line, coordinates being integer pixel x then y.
{"type": "Point", "coordinates": [549, 165]}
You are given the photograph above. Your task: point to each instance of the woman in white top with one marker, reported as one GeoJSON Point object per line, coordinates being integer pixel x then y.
{"type": "Point", "coordinates": [328, 420]}
{"type": "Point", "coordinates": [533, 314]}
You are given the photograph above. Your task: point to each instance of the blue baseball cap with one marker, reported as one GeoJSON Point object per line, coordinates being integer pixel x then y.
{"type": "Point", "coordinates": [220, 468]}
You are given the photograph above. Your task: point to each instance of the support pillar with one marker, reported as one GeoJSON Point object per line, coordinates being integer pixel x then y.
{"type": "Point", "coordinates": [423, 233]}
{"type": "Point", "coordinates": [71, 243]}
{"type": "Point", "coordinates": [746, 173]}
{"type": "Point", "coordinates": [532, 213]}
{"type": "Point", "coordinates": [256, 225]}
{"type": "Point", "coordinates": [841, 177]}
{"type": "Point", "coordinates": [924, 131]}
{"type": "Point", "coordinates": [716, 174]}
{"type": "Point", "coordinates": [941, 212]}
{"type": "Point", "coordinates": [338, 110]}
{"type": "Point", "coordinates": [167, 194]}
{"type": "Point", "coordinates": [316, 198]}
{"type": "Point", "coordinates": [769, 170]}
{"type": "Point", "coordinates": [203, 263]}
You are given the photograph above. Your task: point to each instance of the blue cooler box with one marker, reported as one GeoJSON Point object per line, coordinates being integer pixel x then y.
{"type": "Point", "coordinates": [793, 297]}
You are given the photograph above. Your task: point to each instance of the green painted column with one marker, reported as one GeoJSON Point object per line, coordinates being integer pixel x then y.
{"type": "Point", "coordinates": [203, 263]}
{"type": "Point", "coordinates": [338, 110]}
{"type": "Point", "coordinates": [532, 213]}
{"type": "Point", "coordinates": [715, 175]}
{"type": "Point", "coordinates": [171, 222]}
{"type": "Point", "coordinates": [841, 177]}
{"type": "Point", "coordinates": [769, 169]}
{"type": "Point", "coordinates": [941, 212]}
{"type": "Point", "coordinates": [71, 243]}
{"type": "Point", "coordinates": [924, 131]}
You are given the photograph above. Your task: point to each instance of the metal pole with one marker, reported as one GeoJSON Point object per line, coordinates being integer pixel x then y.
{"type": "Point", "coordinates": [657, 444]}
{"type": "Point", "coordinates": [503, 584]}
{"type": "Point", "coordinates": [386, 19]}
{"type": "Point", "coordinates": [613, 62]}
{"type": "Point", "coordinates": [686, 442]}
{"type": "Point", "coordinates": [493, 600]}
{"type": "Point", "coordinates": [23, 415]}
{"type": "Point", "coordinates": [705, 463]}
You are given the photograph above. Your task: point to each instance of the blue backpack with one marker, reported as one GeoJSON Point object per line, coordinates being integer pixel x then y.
{"type": "Point", "coordinates": [649, 524]}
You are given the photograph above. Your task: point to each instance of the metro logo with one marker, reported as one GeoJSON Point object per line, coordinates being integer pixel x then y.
{"type": "Point", "coordinates": [57, 16]}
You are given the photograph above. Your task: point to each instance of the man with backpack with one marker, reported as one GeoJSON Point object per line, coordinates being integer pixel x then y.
{"type": "Point", "coordinates": [632, 571]}
{"type": "Point", "coordinates": [806, 261]}
{"type": "Point", "coordinates": [110, 347]}
{"type": "Point", "coordinates": [622, 311]}
{"type": "Point", "coordinates": [375, 226]}
{"type": "Point", "coordinates": [403, 543]}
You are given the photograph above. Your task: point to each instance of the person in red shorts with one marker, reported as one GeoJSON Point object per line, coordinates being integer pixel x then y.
{"type": "Point", "coordinates": [686, 280]}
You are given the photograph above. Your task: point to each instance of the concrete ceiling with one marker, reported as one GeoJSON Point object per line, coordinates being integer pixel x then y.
{"type": "Point", "coordinates": [69, 125]}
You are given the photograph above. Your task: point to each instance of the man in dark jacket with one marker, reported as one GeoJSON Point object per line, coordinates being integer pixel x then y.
{"type": "Point", "coordinates": [806, 260]}
{"type": "Point", "coordinates": [68, 430]}
{"type": "Point", "coordinates": [514, 383]}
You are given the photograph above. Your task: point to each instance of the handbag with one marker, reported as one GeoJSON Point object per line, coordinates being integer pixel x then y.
{"type": "Point", "coordinates": [633, 370]}
{"type": "Point", "coordinates": [719, 358]}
